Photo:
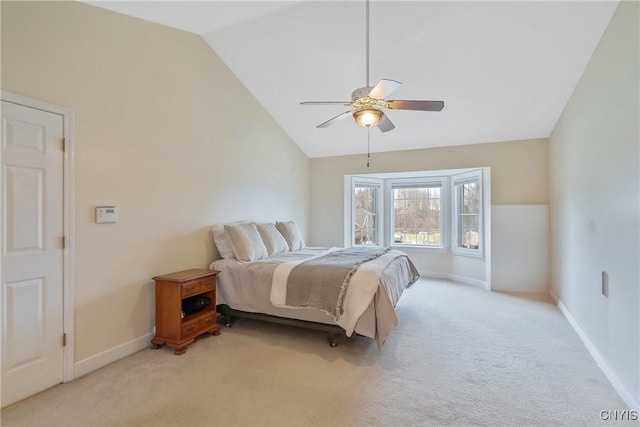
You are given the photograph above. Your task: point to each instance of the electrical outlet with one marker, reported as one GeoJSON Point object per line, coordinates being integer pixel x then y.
{"type": "Point", "coordinates": [605, 284]}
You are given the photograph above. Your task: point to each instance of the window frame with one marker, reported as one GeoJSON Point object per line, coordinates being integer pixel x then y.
{"type": "Point", "coordinates": [448, 220]}
{"type": "Point", "coordinates": [417, 181]}
{"type": "Point", "coordinates": [357, 181]}
{"type": "Point", "coordinates": [458, 180]}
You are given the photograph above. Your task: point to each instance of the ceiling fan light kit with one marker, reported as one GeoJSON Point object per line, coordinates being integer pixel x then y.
{"type": "Point", "coordinates": [367, 117]}
{"type": "Point", "coordinates": [368, 101]}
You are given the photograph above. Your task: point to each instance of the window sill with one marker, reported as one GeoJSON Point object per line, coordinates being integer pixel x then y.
{"type": "Point", "coordinates": [417, 248]}
{"type": "Point", "coordinates": [471, 253]}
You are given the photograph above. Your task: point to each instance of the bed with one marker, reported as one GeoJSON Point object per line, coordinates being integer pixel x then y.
{"type": "Point", "coordinates": [261, 286]}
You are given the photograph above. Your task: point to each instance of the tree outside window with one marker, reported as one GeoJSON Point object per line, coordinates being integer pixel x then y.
{"type": "Point", "coordinates": [416, 215]}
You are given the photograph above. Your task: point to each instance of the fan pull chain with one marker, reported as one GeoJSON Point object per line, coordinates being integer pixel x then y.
{"type": "Point", "coordinates": [368, 145]}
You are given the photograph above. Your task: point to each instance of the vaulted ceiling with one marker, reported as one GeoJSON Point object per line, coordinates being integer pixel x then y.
{"type": "Point", "coordinates": [504, 69]}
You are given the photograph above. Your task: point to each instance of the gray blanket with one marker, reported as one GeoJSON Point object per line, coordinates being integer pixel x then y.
{"type": "Point", "coordinates": [322, 282]}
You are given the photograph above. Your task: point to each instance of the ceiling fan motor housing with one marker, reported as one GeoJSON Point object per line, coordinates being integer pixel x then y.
{"type": "Point", "coordinates": [361, 100]}
{"type": "Point", "coordinates": [361, 92]}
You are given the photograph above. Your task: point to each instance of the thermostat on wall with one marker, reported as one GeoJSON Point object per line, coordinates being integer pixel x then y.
{"type": "Point", "coordinates": [106, 214]}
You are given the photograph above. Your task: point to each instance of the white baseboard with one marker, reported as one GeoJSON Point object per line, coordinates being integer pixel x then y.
{"type": "Point", "coordinates": [111, 355]}
{"type": "Point", "coordinates": [434, 275]}
{"type": "Point", "coordinates": [457, 278]}
{"type": "Point", "coordinates": [632, 402]}
{"type": "Point", "coordinates": [470, 281]}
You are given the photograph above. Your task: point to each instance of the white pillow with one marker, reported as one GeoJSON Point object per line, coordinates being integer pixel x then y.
{"type": "Point", "coordinates": [222, 241]}
{"type": "Point", "coordinates": [272, 239]}
{"type": "Point", "coordinates": [291, 234]}
{"type": "Point", "coordinates": [246, 241]}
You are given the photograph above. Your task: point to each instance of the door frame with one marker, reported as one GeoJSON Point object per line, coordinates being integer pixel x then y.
{"type": "Point", "coordinates": [68, 219]}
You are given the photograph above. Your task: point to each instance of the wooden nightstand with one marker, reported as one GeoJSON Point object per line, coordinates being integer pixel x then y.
{"type": "Point", "coordinates": [181, 289]}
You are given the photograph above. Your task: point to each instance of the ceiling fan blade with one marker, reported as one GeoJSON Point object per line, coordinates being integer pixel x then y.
{"type": "Point", "coordinates": [335, 119]}
{"type": "Point", "coordinates": [325, 103]}
{"type": "Point", "coordinates": [385, 125]}
{"type": "Point", "coordinates": [384, 88]}
{"type": "Point", "coordinates": [416, 105]}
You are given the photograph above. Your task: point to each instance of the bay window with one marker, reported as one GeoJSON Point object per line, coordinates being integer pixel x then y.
{"type": "Point", "coordinates": [431, 210]}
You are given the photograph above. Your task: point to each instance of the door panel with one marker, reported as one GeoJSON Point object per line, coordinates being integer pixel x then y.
{"type": "Point", "coordinates": [25, 326]}
{"type": "Point", "coordinates": [23, 217]}
{"type": "Point", "coordinates": [23, 134]}
{"type": "Point", "coordinates": [32, 254]}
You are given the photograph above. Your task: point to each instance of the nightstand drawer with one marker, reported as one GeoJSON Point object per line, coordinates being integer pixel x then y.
{"type": "Point", "coordinates": [190, 328]}
{"type": "Point", "coordinates": [208, 283]}
{"type": "Point", "coordinates": [207, 321]}
{"type": "Point", "coordinates": [190, 288]}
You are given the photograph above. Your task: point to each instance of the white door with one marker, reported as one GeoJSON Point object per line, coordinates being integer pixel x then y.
{"type": "Point", "coordinates": [32, 251]}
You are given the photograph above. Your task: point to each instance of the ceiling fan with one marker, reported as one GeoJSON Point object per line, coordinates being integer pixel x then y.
{"type": "Point", "coordinates": [368, 101]}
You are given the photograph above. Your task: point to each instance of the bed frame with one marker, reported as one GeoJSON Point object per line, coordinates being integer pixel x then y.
{"type": "Point", "coordinates": [334, 332]}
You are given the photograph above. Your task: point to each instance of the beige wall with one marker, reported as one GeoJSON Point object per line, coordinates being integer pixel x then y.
{"type": "Point", "coordinates": [164, 131]}
{"type": "Point", "coordinates": [519, 176]}
{"type": "Point", "coordinates": [595, 203]}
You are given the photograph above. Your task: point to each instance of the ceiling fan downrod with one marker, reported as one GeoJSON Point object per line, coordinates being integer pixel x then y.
{"type": "Point", "coordinates": [367, 40]}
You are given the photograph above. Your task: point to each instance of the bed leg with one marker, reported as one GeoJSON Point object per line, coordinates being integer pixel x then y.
{"type": "Point", "coordinates": [333, 339]}
{"type": "Point", "coordinates": [228, 320]}
{"type": "Point", "coordinates": [225, 315]}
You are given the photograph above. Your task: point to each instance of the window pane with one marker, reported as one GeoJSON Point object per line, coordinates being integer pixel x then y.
{"type": "Point", "coordinates": [468, 214]}
{"type": "Point", "coordinates": [423, 206]}
{"type": "Point", "coordinates": [416, 218]}
{"type": "Point", "coordinates": [365, 202]}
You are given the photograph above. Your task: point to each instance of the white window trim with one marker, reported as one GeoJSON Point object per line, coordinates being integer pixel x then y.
{"type": "Point", "coordinates": [457, 180]}
{"type": "Point", "coordinates": [443, 182]}
{"type": "Point", "coordinates": [370, 182]}
{"type": "Point", "coordinates": [447, 214]}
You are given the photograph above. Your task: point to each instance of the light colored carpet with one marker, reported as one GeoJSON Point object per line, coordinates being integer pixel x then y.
{"type": "Point", "coordinates": [460, 356]}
